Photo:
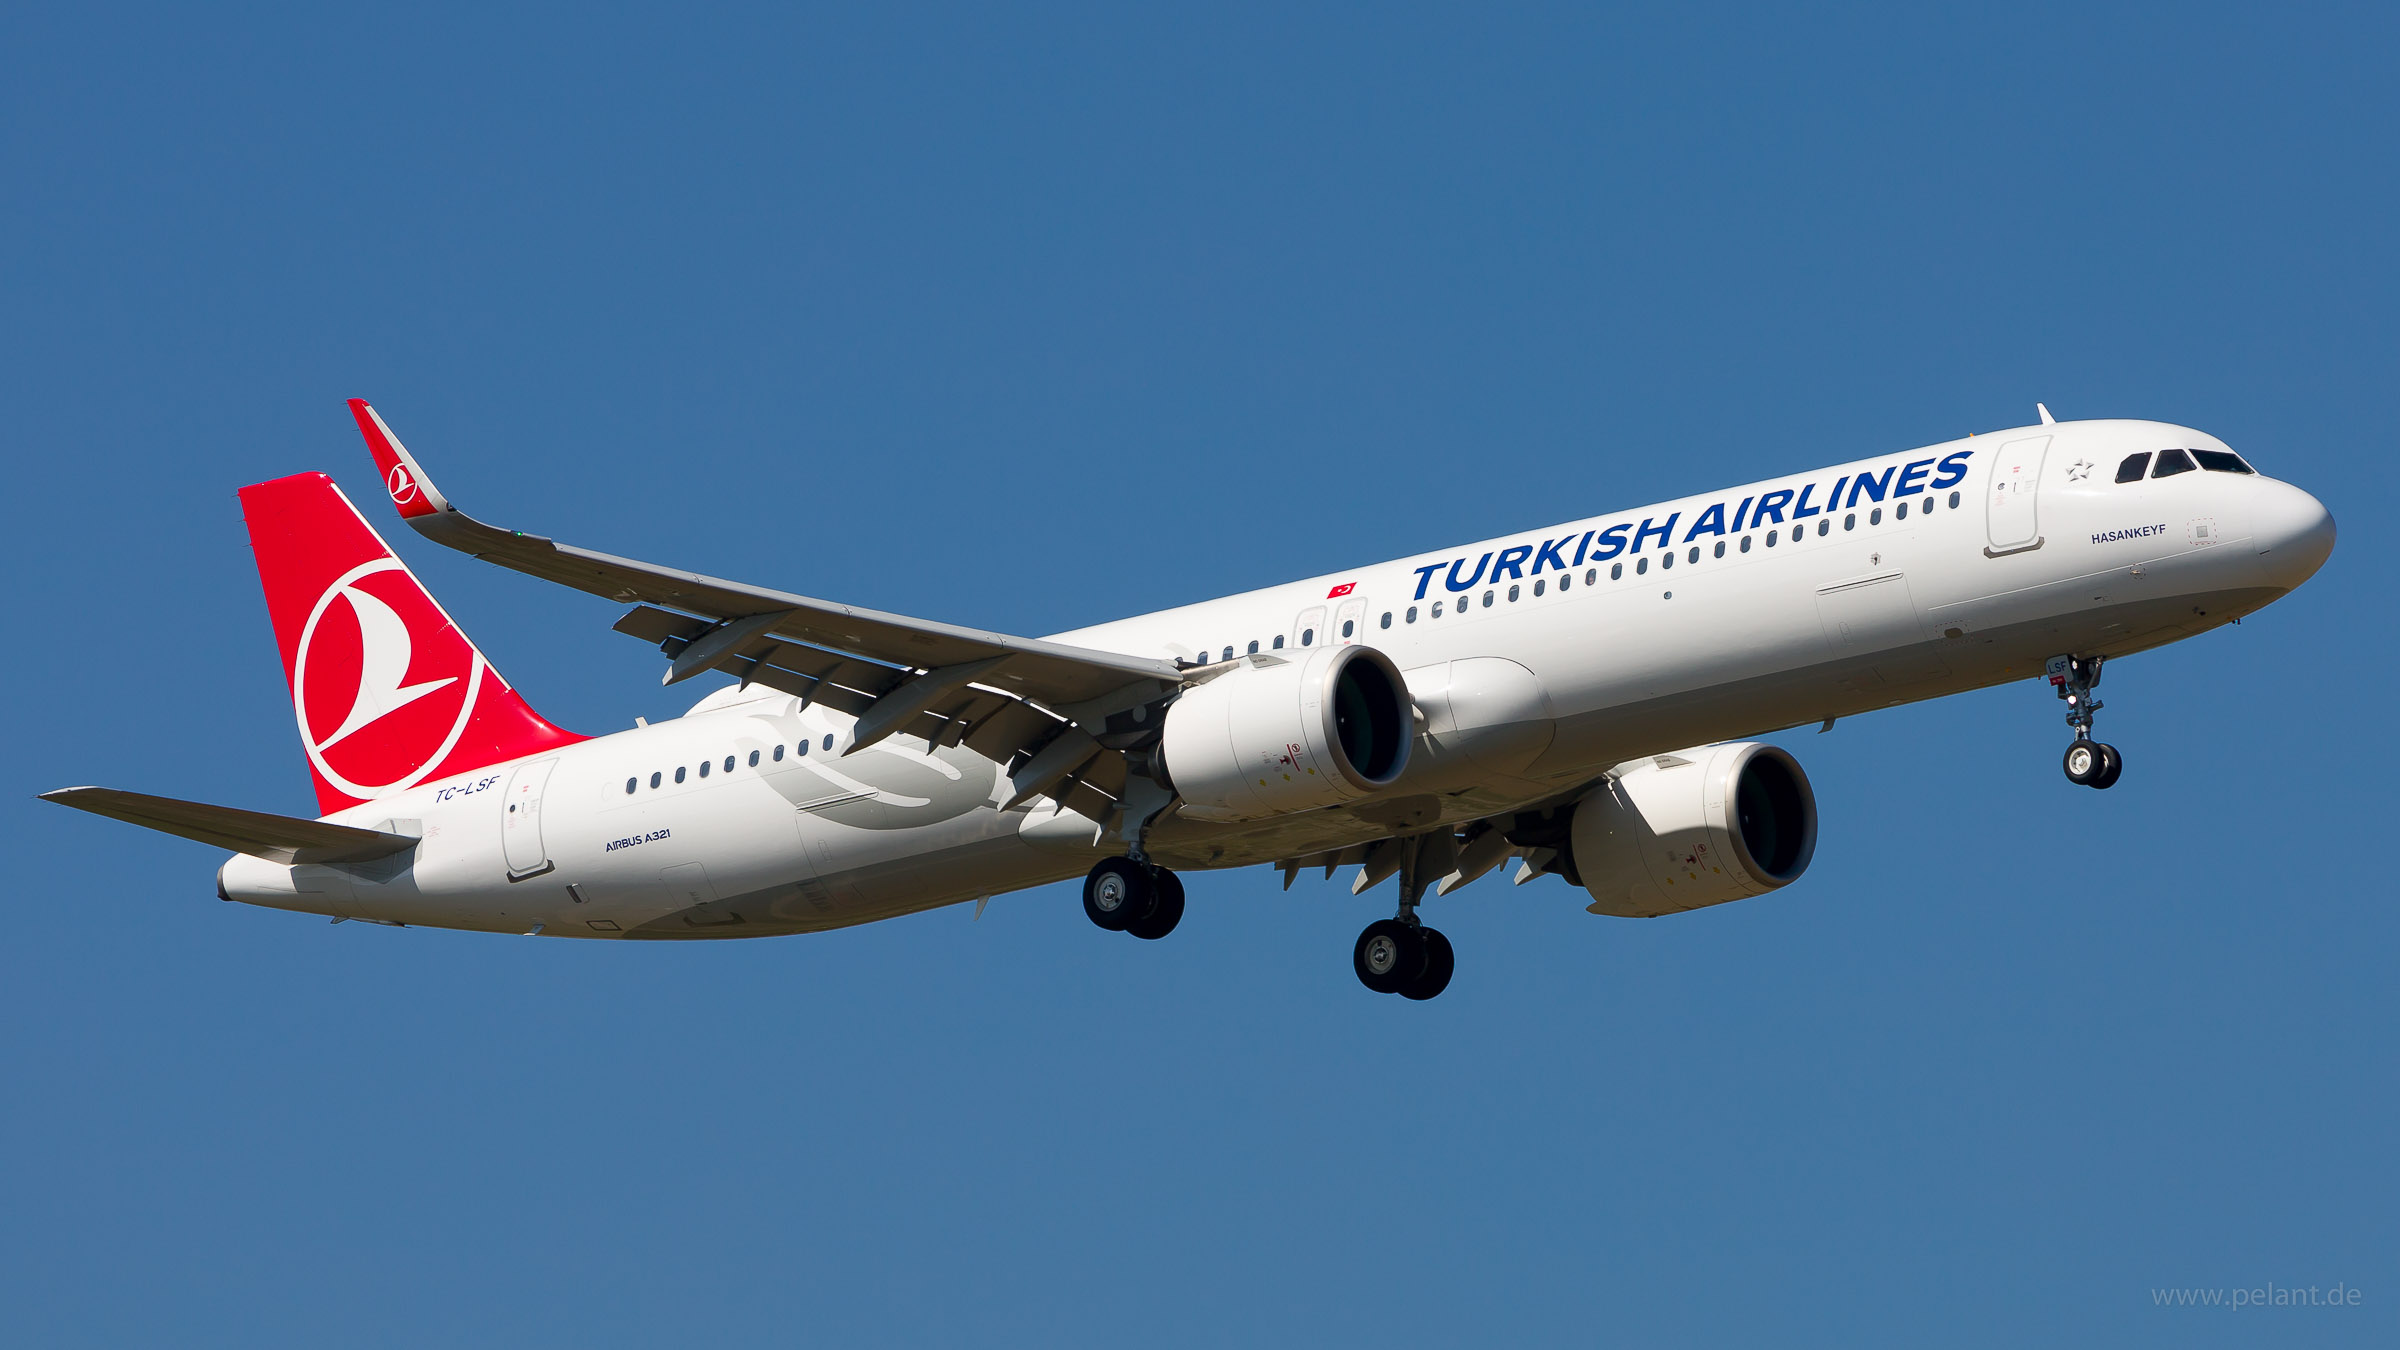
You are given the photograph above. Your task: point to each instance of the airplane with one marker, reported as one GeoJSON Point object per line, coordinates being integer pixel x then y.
{"type": "Point", "coordinates": [1583, 699]}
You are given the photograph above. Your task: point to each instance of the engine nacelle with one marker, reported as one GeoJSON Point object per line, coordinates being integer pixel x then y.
{"type": "Point", "coordinates": [1291, 734]}
{"type": "Point", "coordinates": [1719, 823]}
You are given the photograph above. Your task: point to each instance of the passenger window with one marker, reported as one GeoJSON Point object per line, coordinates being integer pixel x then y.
{"type": "Point", "coordinates": [1667, 559]}
{"type": "Point", "coordinates": [2221, 461]}
{"type": "Point", "coordinates": [1254, 646]}
{"type": "Point", "coordinates": [1953, 501]}
{"type": "Point", "coordinates": [1307, 636]}
{"type": "Point", "coordinates": [1850, 522]}
{"type": "Point", "coordinates": [629, 785]}
{"type": "Point", "coordinates": [1487, 599]}
{"type": "Point", "coordinates": [1875, 517]}
{"type": "Point", "coordinates": [1640, 567]}
{"type": "Point", "coordinates": [754, 759]}
{"type": "Point", "coordinates": [1437, 609]}
{"type": "Point", "coordinates": [1770, 539]}
{"type": "Point", "coordinates": [2131, 469]}
{"type": "Point", "coordinates": [1537, 587]}
{"type": "Point", "coordinates": [1616, 571]}
{"type": "Point", "coordinates": [2172, 462]}
{"type": "Point", "coordinates": [1900, 512]}
{"type": "Point", "coordinates": [802, 749]}
{"type": "Point", "coordinates": [1745, 543]}
{"type": "Point", "coordinates": [779, 752]}
{"type": "Point", "coordinates": [704, 767]}
{"type": "Point", "coordinates": [1387, 618]}
{"type": "Point", "coordinates": [729, 764]}
{"type": "Point", "coordinates": [1824, 527]}
{"type": "Point", "coordinates": [829, 742]}
{"type": "Point", "coordinates": [1228, 656]}
{"type": "Point", "coordinates": [1694, 556]}
{"type": "Point", "coordinates": [678, 773]}
{"type": "Point", "coordinates": [1566, 580]}
{"type": "Point", "coordinates": [654, 780]}
{"type": "Point", "coordinates": [1512, 596]}
{"type": "Point", "coordinates": [1347, 626]}
{"type": "Point", "coordinates": [1720, 548]}
{"type": "Point", "coordinates": [1591, 576]}
{"type": "Point", "coordinates": [1277, 644]}
{"type": "Point", "coordinates": [1412, 614]}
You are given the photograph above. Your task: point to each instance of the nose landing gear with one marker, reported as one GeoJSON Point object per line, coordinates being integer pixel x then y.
{"type": "Point", "coordinates": [2088, 763]}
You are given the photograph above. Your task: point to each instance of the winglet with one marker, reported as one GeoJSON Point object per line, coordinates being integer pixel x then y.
{"type": "Point", "coordinates": [410, 489]}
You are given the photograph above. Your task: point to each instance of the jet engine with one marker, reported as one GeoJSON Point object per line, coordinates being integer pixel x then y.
{"type": "Point", "coordinates": [1695, 828]}
{"type": "Point", "coordinates": [1282, 734]}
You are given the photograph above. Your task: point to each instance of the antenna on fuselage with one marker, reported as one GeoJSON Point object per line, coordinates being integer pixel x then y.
{"type": "Point", "coordinates": [2044, 410]}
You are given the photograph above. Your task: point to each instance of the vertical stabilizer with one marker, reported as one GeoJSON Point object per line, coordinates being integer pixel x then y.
{"type": "Point", "coordinates": [386, 690]}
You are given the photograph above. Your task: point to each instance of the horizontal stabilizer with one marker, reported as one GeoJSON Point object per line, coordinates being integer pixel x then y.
{"type": "Point", "coordinates": [281, 839]}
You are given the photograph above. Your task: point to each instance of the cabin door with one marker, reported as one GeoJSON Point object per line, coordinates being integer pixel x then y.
{"type": "Point", "coordinates": [521, 823]}
{"type": "Point", "coordinates": [2011, 499]}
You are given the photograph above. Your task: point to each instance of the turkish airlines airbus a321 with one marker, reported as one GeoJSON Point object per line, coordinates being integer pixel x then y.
{"type": "Point", "coordinates": [1572, 697]}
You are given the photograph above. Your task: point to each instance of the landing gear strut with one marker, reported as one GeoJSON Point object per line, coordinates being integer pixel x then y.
{"type": "Point", "coordinates": [1400, 955]}
{"type": "Point", "coordinates": [1124, 896]}
{"type": "Point", "coordinates": [2088, 763]}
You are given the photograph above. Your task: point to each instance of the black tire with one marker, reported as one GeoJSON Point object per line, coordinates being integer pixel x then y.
{"type": "Point", "coordinates": [1114, 891]}
{"type": "Point", "coordinates": [1439, 961]}
{"type": "Point", "coordinates": [1388, 955]}
{"type": "Point", "coordinates": [1166, 909]}
{"type": "Point", "coordinates": [2083, 762]}
{"type": "Point", "coordinates": [2112, 764]}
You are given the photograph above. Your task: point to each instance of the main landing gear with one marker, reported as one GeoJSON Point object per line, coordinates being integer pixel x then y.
{"type": "Point", "coordinates": [1124, 896]}
{"type": "Point", "coordinates": [1404, 957]}
{"type": "Point", "coordinates": [2088, 763]}
{"type": "Point", "coordinates": [1400, 955]}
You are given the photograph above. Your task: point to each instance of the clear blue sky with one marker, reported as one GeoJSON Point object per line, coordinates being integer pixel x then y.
{"type": "Point", "coordinates": [1030, 319]}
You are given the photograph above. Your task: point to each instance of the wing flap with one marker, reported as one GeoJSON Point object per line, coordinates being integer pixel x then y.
{"type": "Point", "coordinates": [280, 839]}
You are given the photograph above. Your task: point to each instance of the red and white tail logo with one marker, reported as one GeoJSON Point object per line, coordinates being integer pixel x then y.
{"type": "Point", "coordinates": [387, 691]}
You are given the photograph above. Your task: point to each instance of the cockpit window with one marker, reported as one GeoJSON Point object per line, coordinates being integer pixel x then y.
{"type": "Point", "coordinates": [2172, 462]}
{"type": "Point", "coordinates": [2133, 468]}
{"type": "Point", "coordinates": [2221, 461]}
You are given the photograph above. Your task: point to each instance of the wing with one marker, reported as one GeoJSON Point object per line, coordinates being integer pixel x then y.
{"type": "Point", "coordinates": [1034, 705]}
{"type": "Point", "coordinates": [282, 839]}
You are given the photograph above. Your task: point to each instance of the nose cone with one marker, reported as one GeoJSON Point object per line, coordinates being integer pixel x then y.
{"type": "Point", "coordinates": [2294, 532]}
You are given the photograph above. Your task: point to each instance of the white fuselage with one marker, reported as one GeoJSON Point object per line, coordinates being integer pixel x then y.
{"type": "Point", "coordinates": [1536, 662]}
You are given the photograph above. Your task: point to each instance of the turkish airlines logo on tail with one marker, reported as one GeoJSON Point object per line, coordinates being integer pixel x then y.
{"type": "Point", "coordinates": [401, 484]}
{"type": "Point", "coordinates": [383, 684]}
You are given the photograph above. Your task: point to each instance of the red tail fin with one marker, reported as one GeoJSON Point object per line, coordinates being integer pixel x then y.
{"type": "Point", "coordinates": [387, 691]}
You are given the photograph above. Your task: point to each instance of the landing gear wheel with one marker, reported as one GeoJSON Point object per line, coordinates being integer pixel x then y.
{"type": "Point", "coordinates": [1438, 963]}
{"type": "Point", "coordinates": [1115, 890]}
{"type": "Point", "coordinates": [1166, 908]}
{"type": "Point", "coordinates": [1389, 956]}
{"type": "Point", "coordinates": [2085, 762]}
{"type": "Point", "coordinates": [2111, 764]}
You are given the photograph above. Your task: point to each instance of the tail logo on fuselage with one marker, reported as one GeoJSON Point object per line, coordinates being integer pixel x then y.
{"type": "Point", "coordinates": [400, 670]}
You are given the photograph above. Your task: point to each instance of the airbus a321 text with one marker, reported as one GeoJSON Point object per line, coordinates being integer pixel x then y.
{"type": "Point", "coordinates": [1573, 698]}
